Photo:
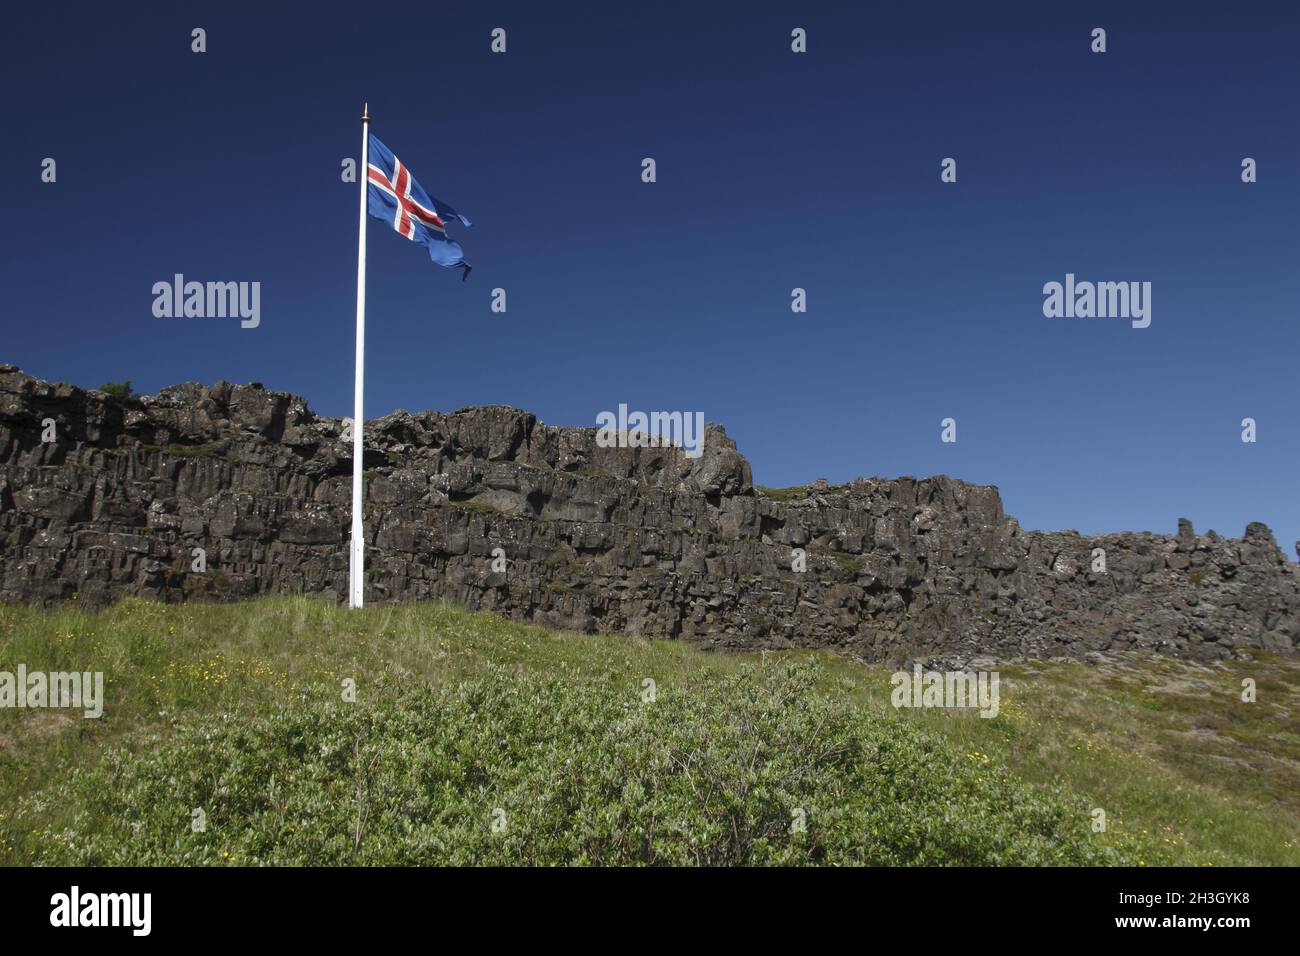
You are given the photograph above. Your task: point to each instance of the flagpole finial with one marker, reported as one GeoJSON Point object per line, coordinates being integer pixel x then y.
{"type": "Point", "coordinates": [365, 113]}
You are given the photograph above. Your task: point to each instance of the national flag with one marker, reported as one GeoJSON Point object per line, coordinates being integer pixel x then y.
{"type": "Point", "coordinates": [397, 199]}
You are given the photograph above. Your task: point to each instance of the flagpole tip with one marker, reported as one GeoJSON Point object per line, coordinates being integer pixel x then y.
{"type": "Point", "coordinates": [365, 113]}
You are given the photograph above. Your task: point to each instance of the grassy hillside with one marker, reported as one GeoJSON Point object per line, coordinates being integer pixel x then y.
{"type": "Point", "coordinates": [476, 740]}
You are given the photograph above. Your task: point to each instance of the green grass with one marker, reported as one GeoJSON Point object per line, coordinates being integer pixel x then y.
{"type": "Point", "coordinates": [783, 494]}
{"type": "Point", "coordinates": [849, 563]}
{"type": "Point", "coordinates": [478, 740]}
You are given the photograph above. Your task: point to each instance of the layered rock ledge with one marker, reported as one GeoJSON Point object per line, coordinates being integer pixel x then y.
{"type": "Point", "coordinates": [634, 540]}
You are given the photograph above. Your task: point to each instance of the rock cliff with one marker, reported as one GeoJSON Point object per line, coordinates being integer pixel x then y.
{"type": "Point", "coordinates": [115, 497]}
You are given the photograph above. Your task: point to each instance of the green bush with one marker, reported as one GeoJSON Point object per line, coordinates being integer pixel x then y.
{"type": "Point", "coordinates": [121, 391]}
{"type": "Point", "coordinates": [584, 771]}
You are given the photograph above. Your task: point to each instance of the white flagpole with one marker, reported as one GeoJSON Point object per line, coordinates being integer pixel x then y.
{"type": "Point", "coordinates": [357, 562]}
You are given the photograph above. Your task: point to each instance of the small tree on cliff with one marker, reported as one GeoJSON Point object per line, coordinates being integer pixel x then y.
{"type": "Point", "coordinates": [121, 391]}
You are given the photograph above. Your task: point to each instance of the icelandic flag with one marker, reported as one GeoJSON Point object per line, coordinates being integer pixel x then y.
{"type": "Point", "coordinates": [397, 199]}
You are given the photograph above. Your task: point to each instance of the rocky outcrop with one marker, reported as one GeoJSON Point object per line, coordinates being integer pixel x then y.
{"type": "Point", "coordinates": [640, 540]}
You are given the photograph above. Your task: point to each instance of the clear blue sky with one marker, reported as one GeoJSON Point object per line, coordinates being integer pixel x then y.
{"type": "Point", "coordinates": [775, 170]}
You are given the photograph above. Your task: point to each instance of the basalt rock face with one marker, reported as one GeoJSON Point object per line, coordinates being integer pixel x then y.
{"type": "Point", "coordinates": [635, 540]}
